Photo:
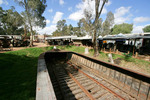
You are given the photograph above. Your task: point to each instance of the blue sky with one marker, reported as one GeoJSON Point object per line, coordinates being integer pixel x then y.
{"type": "Point", "coordinates": [125, 11]}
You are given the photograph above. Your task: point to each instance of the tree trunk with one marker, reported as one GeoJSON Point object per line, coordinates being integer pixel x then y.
{"type": "Point", "coordinates": [95, 45]}
{"type": "Point", "coordinates": [29, 21]}
{"type": "Point", "coordinates": [31, 39]}
{"type": "Point", "coordinates": [25, 31]}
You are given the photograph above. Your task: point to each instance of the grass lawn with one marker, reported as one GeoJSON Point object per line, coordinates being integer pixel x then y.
{"type": "Point", "coordinates": [126, 61]}
{"type": "Point", "coordinates": [18, 70]}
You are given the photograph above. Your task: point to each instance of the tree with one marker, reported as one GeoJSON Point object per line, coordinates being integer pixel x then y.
{"type": "Point", "coordinates": [11, 22]}
{"type": "Point", "coordinates": [80, 29]}
{"type": "Point", "coordinates": [62, 28]}
{"type": "Point", "coordinates": [76, 31]}
{"type": "Point", "coordinates": [34, 10]}
{"type": "Point", "coordinates": [122, 28]}
{"type": "Point", "coordinates": [107, 25]}
{"type": "Point", "coordinates": [61, 25]}
{"type": "Point", "coordinates": [95, 24]}
{"type": "Point", "coordinates": [87, 22]}
{"type": "Point", "coordinates": [99, 27]}
{"type": "Point", "coordinates": [1, 25]}
{"type": "Point", "coordinates": [70, 30]}
{"type": "Point", "coordinates": [146, 29]}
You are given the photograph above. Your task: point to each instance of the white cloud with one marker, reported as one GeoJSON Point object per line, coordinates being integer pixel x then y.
{"type": "Point", "coordinates": [61, 2]}
{"type": "Point", "coordinates": [76, 16]}
{"type": "Point", "coordinates": [137, 29]}
{"type": "Point", "coordinates": [50, 10]}
{"type": "Point", "coordinates": [57, 17]}
{"type": "Point", "coordinates": [82, 6]}
{"type": "Point", "coordinates": [121, 11]}
{"type": "Point", "coordinates": [122, 15]}
{"type": "Point", "coordinates": [3, 2]}
{"type": "Point", "coordinates": [141, 19]}
{"type": "Point", "coordinates": [109, 3]}
{"type": "Point", "coordinates": [70, 9]}
{"type": "Point", "coordinates": [47, 21]}
{"type": "Point", "coordinates": [48, 30]}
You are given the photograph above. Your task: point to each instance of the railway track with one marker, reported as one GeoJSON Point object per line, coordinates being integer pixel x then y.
{"type": "Point", "coordinates": [76, 77]}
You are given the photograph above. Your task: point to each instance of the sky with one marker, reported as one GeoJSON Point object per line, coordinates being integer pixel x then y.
{"type": "Point", "coordinates": [134, 12]}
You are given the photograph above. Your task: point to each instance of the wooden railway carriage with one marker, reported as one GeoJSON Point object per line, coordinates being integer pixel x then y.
{"type": "Point", "coordinates": [83, 41]}
{"type": "Point", "coordinates": [144, 46]}
{"type": "Point", "coordinates": [60, 40]}
{"type": "Point", "coordinates": [127, 43]}
{"type": "Point", "coordinates": [17, 40]}
{"type": "Point", "coordinates": [5, 43]}
{"type": "Point", "coordinates": [112, 42]}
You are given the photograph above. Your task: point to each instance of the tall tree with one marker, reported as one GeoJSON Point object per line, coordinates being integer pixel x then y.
{"type": "Point", "coordinates": [98, 12]}
{"type": "Point", "coordinates": [146, 29]}
{"type": "Point", "coordinates": [34, 10]}
{"type": "Point", "coordinates": [99, 27]}
{"type": "Point", "coordinates": [61, 24]}
{"type": "Point", "coordinates": [122, 28]}
{"type": "Point", "coordinates": [87, 21]}
{"type": "Point", "coordinates": [108, 23]}
{"type": "Point", "coordinates": [80, 29]}
{"type": "Point", "coordinates": [1, 24]}
{"type": "Point", "coordinates": [93, 21]}
{"type": "Point", "coordinates": [25, 24]}
{"type": "Point", "coordinates": [70, 30]}
{"type": "Point", "coordinates": [11, 21]}
{"type": "Point", "coordinates": [61, 28]}
{"type": "Point", "coordinates": [76, 31]}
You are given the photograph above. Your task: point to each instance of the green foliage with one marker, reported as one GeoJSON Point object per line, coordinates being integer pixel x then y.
{"type": "Point", "coordinates": [76, 31]}
{"type": "Point", "coordinates": [108, 23]}
{"type": "Point", "coordinates": [128, 57]}
{"type": "Point", "coordinates": [146, 29]}
{"type": "Point", "coordinates": [86, 25]}
{"type": "Point", "coordinates": [10, 22]}
{"type": "Point", "coordinates": [122, 28]}
{"type": "Point", "coordinates": [62, 29]}
{"type": "Point", "coordinates": [33, 14]}
{"type": "Point", "coordinates": [70, 30]}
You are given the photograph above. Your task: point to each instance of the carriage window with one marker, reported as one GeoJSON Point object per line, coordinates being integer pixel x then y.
{"type": "Point", "coordinates": [147, 42]}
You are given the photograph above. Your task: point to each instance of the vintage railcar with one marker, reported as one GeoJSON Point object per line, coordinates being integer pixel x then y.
{"type": "Point", "coordinates": [60, 40]}
{"type": "Point", "coordinates": [18, 40]}
{"type": "Point", "coordinates": [5, 43]}
{"type": "Point", "coordinates": [127, 43]}
{"type": "Point", "coordinates": [83, 41]}
{"type": "Point", "coordinates": [144, 45]}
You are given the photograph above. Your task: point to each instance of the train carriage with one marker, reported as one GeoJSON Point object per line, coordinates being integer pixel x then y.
{"type": "Point", "coordinates": [60, 40]}
{"type": "Point", "coordinates": [83, 41]}
{"type": "Point", "coordinates": [144, 46]}
{"type": "Point", "coordinates": [5, 43]}
{"type": "Point", "coordinates": [127, 43]}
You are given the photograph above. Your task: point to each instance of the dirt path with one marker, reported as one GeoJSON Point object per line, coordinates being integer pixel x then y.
{"type": "Point", "coordinates": [35, 45]}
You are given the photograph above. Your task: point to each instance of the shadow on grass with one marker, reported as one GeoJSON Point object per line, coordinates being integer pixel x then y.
{"type": "Point", "coordinates": [17, 77]}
